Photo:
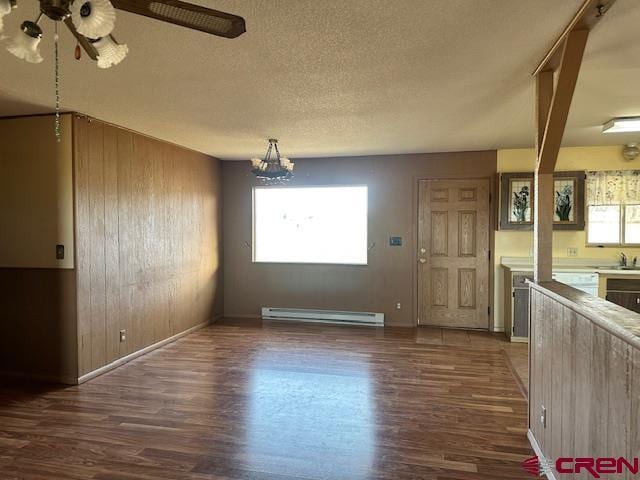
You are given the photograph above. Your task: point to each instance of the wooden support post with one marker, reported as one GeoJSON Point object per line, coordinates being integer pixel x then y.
{"type": "Point", "coordinates": [543, 186]}
{"type": "Point", "coordinates": [552, 110]}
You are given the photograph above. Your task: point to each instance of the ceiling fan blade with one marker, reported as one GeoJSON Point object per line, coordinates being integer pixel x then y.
{"type": "Point", "coordinates": [187, 15]}
{"type": "Point", "coordinates": [82, 40]}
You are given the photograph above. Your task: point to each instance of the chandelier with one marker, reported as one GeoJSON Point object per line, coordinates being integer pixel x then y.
{"type": "Point", "coordinates": [91, 22]}
{"type": "Point", "coordinates": [273, 166]}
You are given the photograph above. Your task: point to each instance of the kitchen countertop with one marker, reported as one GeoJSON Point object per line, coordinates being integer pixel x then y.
{"type": "Point", "coordinates": [570, 265]}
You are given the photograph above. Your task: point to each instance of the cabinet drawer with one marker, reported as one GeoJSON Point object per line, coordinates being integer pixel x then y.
{"type": "Point", "coordinates": [629, 300]}
{"type": "Point", "coordinates": [623, 284]}
{"type": "Point", "coordinates": [520, 280]}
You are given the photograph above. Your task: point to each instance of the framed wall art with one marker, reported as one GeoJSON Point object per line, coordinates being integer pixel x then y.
{"type": "Point", "coordinates": [517, 201]}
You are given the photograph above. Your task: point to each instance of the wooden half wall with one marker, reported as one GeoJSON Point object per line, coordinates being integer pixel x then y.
{"type": "Point", "coordinates": [585, 373]}
{"type": "Point", "coordinates": [147, 227]}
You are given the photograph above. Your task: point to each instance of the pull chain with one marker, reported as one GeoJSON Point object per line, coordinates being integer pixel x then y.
{"type": "Point", "coordinates": [57, 82]}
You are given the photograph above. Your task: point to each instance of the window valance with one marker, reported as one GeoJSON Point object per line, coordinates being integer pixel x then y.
{"type": "Point", "coordinates": [613, 187]}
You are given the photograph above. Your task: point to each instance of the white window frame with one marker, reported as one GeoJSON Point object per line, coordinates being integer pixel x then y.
{"type": "Point", "coordinates": [621, 233]}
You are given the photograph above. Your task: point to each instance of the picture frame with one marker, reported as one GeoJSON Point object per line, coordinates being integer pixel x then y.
{"type": "Point", "coordinates": [569, 204]}
{"type": "Point", "coordinates": [517, 200]}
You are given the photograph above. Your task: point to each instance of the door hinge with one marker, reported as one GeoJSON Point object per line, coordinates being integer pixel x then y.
{"type": "Point", "coordinates": [513, 294]}
{"type": "Point", "coordinates": [489, 252]}
{"type": "Point", "coordinates": [488, 310]}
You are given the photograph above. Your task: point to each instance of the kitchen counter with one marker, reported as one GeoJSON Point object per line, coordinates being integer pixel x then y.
{"type": "Point", "coordinates": [570, 265]}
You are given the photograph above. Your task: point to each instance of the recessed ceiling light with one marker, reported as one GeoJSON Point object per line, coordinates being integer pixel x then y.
{"type": "Point", "coordinates": [622, 125]}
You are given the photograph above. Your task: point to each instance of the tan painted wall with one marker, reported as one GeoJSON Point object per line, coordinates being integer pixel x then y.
{"type": "Point", "coordinates": [38, 323]}
{"type": "Point", "coordinates": [148, 236]}
{"type": "Point", "coordinates": [520, 244]}
{"type": "Point", "coordinates": [36, 193]}
{"type": "Point", "coordinates": [391, 273]}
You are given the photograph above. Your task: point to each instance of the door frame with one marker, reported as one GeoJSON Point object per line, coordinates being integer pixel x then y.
{"type": "Point", "coordinates": [492, 228]}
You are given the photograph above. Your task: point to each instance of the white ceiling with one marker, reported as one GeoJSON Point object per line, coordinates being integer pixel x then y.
{"type": "Point", "coordinates": [336, 77]}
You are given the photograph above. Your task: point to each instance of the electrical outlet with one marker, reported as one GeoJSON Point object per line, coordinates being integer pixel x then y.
{"type": "Point", "coordinates": [572, 252]}
{"type": "Point", "coordinates": [123, 335]}
{"type": "Point", "coordinates": [398, 306]}
{"type": "Point", "coordinates": [543, 416]}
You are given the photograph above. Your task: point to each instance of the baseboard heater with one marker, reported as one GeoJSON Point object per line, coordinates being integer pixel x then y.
{"type": "Point", "coordinates": [323, 316]}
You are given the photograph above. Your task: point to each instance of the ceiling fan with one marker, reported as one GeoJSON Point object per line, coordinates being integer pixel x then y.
{"type": "Point", "coordinates": [92, 21]}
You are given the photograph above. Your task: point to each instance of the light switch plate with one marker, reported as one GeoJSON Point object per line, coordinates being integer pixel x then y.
{"type": "Point", "coordinates": [395, 241]}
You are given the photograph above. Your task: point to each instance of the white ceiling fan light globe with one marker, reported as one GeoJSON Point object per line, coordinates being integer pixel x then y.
{"type": "Point", "coordinates": [25, 43]}
{"type": "Point", "coordinates": [110, 52]}
{"type": "Point", "coordinates": [93, 18]}
{"type": "Point", "coordinates": [5, 9]}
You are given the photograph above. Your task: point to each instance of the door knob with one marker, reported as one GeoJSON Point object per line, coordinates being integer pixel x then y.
{"type": "Point", "coordinates": [423, 260]}
{"type": "Point", "coordinates": [423, 250]}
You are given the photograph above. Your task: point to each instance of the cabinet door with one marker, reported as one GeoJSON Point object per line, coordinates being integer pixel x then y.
{"type": "Point", "coordinates": [521, 312]}
{"type": "Point", "coordinates": [630, 300]}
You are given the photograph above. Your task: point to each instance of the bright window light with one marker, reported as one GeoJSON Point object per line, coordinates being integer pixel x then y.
{"type": "Point", "coordinates": [622, 125]}
{"type": "Point", "coordinates": [632, 224]}
{"type": "Point", "coordinates": [310, 224]}
{"type": "Point", "coordinates": [604, 224]}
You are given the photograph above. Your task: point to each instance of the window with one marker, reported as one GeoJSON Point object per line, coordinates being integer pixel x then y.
{"type": "Point", "coordinates": [613, 208]}
{"type": "Point", "coordinates": [310, 224]}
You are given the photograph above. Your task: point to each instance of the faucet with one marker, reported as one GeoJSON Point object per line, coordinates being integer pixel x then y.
{"type": "Point", "coordinates": [623, 259]}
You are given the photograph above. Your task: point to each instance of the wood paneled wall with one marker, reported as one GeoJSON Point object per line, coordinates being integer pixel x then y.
{"type": "Point", "coordinates": [391, 275]}
{"type": "Point", "coordinates": [148, 238]}
{"type": "Point", "coordinates": [586, 377]}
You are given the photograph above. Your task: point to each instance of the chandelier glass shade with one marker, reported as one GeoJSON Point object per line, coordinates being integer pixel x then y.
{"type": "Point", "coordinates": [272, 166]}
{"type": "Point", "coordinates": [24, 43]}
{"type": "Point", "coordinates": [93, 19]}
{"type": "Point", "coordinates": [109, 51]}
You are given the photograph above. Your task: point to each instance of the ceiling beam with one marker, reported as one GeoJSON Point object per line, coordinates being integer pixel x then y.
{"type": "Point", "coordinates": [572, 53]}
{"type": "Point", "coordinates": [590, 13]}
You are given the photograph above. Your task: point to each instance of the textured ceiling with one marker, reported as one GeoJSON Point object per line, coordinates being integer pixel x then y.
{"type": "Point", "coordinates": [335, 77]}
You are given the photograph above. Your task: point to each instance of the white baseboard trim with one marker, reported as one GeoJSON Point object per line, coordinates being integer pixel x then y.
{"type": "Point", "coordinates": [538, 451]}
{"type": "Point", "coordinates": [139, 353]}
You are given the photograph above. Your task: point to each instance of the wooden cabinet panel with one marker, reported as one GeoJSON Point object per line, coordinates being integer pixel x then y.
{"type": "Point", "coordinates": [626, 284]}
{"type": "Point", "coordinates": [521, 312]}
{"type": "Point", "coordinates": [630, 300]}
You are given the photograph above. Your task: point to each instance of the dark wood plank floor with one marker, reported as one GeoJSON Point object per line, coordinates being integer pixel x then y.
{"type": "Point", "coordinates": [241, 400]}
